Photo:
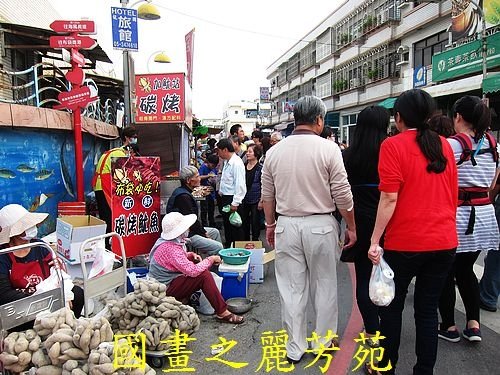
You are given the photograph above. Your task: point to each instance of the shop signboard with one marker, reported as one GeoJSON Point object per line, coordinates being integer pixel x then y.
{"type": "Point", "coordinates": [465, 59]}
{"type": "Point", "coordinates": [135, 203]}
{"type": "Point", "coordinates": [161, 98]}
{"type": "Point", "coordinates": [264, 93]}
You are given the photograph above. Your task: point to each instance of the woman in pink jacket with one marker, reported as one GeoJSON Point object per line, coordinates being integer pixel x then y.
{"type": "Point", "coordinates": [185, 272]}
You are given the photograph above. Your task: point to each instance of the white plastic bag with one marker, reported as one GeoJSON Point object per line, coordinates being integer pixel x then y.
{"type": "Point", "coordinates": [103, 262]}
{"type": "Point", "coordinates": [382, 288]}
{"type": "Point", "coordinates": [200, 302]}
{"type": "Point", "coordinates": [53, 282]}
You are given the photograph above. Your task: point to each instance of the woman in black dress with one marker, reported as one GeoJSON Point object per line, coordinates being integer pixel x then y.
{"type": "Point", "coordinates": [361, 162]}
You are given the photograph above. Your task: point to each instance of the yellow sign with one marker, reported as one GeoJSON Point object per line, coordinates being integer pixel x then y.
{"type": "Point", "coordinates": [129, 351]}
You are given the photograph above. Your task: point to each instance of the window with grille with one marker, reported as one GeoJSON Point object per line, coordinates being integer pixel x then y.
{"type": "Point", "coordinates": [308, 88]}
{"type": "Point", "coordinates": [324, 85]}
{"type": "Point", "coordinates": [307, 57]}
{"type": "Point", "coordinates": [293, 67]}
{"type": "Point", "coordinates": [281, 79]}
{"type": "Point", "coordinates": [324, 45]}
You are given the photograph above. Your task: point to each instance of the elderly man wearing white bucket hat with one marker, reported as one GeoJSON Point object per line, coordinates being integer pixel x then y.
{"type": "Point", "coordinates": [185, 272]}
{"type": "Point", "coordinates": [22, 270]}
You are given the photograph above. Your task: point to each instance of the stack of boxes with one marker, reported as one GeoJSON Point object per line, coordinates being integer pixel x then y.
{"type": "Point", "coordinates": [258, 258]}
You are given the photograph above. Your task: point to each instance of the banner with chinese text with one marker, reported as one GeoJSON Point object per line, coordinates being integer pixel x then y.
{"type": "Point", "coordinates": [189, 56]}
{"type": "Point", "coordinates": [160, 98]}
{"type": "Point", "coordinates": [135, 189]}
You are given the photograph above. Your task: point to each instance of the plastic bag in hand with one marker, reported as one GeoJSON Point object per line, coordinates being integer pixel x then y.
{"type": "Point", "coordinates": [382, 288]}
{"type": "Point", "coordinates": [234, 218]}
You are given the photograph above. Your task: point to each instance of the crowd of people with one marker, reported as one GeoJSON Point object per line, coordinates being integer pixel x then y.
{"type": "Point", "coordinates": [423, 199]}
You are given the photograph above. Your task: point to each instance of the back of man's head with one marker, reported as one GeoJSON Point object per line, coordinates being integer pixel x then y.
{"type": "Point", "coordinates": [307, 109]}
{"type": "Point", "coordinates": [213, 159]}
{"type": "Point", "coordinates": [225, 144]}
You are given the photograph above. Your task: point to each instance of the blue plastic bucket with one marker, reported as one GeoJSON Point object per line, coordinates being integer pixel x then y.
{"type": "Point", "coordinates": [140, 272]}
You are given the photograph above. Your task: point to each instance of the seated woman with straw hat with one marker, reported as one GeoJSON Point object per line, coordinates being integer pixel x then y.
{"type": "Point", "coordinates": [185, 272]}
{"type": "Point", "coordinates": [22, 270]}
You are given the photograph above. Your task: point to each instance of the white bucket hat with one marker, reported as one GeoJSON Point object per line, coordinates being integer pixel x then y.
{"type": "Point", "coordinates": [175, 223]}
{"type": "Point", "coordinates": [15, 219]}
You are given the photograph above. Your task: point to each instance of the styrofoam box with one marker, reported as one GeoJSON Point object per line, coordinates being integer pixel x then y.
{"type": "Point", "coordinates": [256, 274]}
{"type": "Point", "coordinates": [71, 231]}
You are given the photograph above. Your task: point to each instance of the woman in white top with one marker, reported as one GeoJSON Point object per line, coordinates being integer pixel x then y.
{"type": "Point", "coordinates": [477, 227]}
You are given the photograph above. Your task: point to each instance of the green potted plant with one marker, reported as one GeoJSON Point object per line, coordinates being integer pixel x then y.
{"type": "Point", "coordinates": [372, 73]}
{"type": "Point", "coordinates": [344, 38]}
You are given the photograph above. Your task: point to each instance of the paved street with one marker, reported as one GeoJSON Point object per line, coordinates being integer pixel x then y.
{"type": "Point", "coordinates": [459, 358]}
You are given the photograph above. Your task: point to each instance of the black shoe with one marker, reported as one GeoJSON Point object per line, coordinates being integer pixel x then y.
{"type": "Point", "coordinates": [292, 361]}
{"type": "Point", "coordinates": [484, 306]}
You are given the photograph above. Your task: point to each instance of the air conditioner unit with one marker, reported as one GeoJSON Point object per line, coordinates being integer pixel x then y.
{"type": "Point", "coordinates": [354, 83]}
{"type": "Point", "coordinates": [384, 16]}
{"type": "Point", "coordinates": [403, 4]}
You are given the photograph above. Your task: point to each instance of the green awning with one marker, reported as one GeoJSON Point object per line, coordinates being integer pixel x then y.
{"type": "Point", "coordinates": [491, 83]}
{"type": "Point", "coordinates": [387, 103]}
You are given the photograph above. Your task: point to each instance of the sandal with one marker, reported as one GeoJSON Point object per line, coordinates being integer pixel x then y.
{"type": "Point", "coordinates": [367, 369]}
{"type": "Point", "coordinates": [231, 318]}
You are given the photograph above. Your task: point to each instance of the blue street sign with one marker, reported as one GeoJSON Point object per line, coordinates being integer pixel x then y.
{"type": "Point", "coordinates": [124, 25]}
{"type": "Point", "coordinates": [419, 76]}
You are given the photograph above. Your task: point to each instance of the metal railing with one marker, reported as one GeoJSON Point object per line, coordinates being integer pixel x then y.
{"type": "Point", "coordinates": [40, 85]}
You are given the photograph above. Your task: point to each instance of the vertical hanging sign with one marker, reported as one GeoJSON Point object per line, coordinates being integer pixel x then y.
{"type": "Point", "coordinates": [135, 203]}
{"type": "Point", "coordinates": [189, 56]}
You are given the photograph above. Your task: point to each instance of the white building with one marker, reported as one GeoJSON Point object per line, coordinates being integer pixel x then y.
{"type": "Point", "coordinates": [365, 53]}
{"type": "Point", "coordinates": [249, 115]}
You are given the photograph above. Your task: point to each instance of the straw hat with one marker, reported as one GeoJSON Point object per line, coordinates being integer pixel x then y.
{"type": "Point", "coordinates": [175, 223]}
{"type": "Point", "coordinates": [15, 219]}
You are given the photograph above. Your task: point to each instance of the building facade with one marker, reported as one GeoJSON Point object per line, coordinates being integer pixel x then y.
{"type": "Point", "coordinates": [367, 52]}
{"type": "Point", "coordinates": [250, 115]}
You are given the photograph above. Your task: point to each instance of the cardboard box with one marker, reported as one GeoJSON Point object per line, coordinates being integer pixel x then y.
{"type": "Point", "coordinates": [71, 231]}
{"type": "Point", "coordinates": [258, 258]}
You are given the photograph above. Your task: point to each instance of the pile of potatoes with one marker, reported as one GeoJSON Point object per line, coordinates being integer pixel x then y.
{"type": "Point", "coordinates": [150, 311]}
{"type": "Point", "coordinates": [58, 344]}
{"type": "Point", "coordinates": [19, 348]}
{"type": "Point", "coordinates": [102, 362]}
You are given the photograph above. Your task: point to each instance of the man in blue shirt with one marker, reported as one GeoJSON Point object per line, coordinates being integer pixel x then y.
{"type": "Point", "coordinates": [232, 188]}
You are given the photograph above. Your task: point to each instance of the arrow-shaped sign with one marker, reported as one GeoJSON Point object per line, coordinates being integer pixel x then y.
{"type": "Point", "coordinates": [70, 41]}
{"type": "Point", "coordinates": [81, 26]}
{"type": "Point", "coordinates": [74, 99]}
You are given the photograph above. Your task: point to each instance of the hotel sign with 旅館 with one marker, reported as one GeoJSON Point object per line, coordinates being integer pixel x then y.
{"type": "Point", "coordinates": [161, 98]}
{"type": "Point", "coordinates": [466, 59]}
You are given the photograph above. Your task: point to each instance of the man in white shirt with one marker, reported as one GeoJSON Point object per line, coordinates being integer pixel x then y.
{"type": "Point", "coordinates": [232, 188]}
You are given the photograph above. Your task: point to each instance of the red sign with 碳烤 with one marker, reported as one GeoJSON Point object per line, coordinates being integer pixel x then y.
{"type": "Point", "coordinates": [160, 98]}
{"type": "Point", "coordinates": [135, 203]}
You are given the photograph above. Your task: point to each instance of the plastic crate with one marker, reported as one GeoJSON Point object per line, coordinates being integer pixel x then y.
{"type": "Point", "coordinates": [234, 284]}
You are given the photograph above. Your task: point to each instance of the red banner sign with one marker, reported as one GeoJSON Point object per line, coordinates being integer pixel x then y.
{"type": "Point", "coordinates": [79, 26]}
{"type": "Point", "coordinates": [160, 98]}
{"type": "Point", "coordinates": [135, 202]}
{"type": "Point", "coordinates": [72, 41]}
{"type": "Point", "coordinates": [189, 56]}
{"type": "Point", "coordinates": [76, 98]}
